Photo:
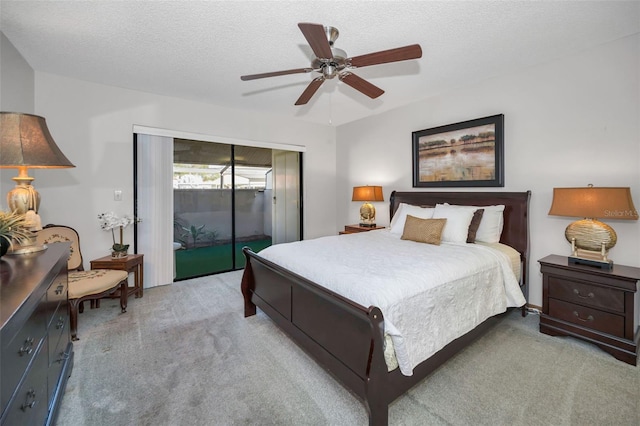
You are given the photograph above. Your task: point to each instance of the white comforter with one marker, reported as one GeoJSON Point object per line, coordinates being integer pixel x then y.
{"type": "Point", "coordinates": [429, 295]}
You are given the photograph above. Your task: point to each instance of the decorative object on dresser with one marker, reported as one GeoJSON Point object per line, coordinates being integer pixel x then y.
{"type": "Point", "coordinates": [596, 305]}
{"type": "Point", "coordinates": [352, 229]}
{"type": "Point", "coordinates": [37, 353]}
{"type": "Point", "coordinates": [84, 285]}
{"type": "Point", "coordinates": [13, 227]}
{"type": "Point", "coordinates": [25, 142]}
{"type": "Point", "coordinates": [469, 153]}
{"type": "Point", "coordinates": [591, 239]}
{"type": "Point", "coordinates": [367, 194]}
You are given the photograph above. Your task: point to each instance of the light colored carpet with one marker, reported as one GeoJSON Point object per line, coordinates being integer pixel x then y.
{"type": "Point", "coordinates": [185, 355]}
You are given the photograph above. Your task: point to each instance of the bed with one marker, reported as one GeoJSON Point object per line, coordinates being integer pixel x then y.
{"type": "Point", "coordinates": [348, 338]}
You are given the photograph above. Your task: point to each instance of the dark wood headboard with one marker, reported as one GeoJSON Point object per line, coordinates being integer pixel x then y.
{"type": "Point", "coordinates": [515, 232]}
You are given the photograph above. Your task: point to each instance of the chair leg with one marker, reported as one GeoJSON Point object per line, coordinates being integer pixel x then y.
{"type": "Point", "coordinates": [73, 314]}
{"type": "Point", "coordinates": [124, 295]}
{"type": "Point", "coordinates": [81, 307]}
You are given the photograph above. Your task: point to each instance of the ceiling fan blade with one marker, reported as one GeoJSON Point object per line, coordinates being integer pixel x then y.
{"type": "Point", "coordinates": [310, 91]}
{"type": "Point", "coordinates": [361, 85]}
{"type": "Point", "coordinates": [275, 74]}
{"type": "Point", "coordinates": [413, 51]}
{"type": "Point", "coordinates": [317, 39]}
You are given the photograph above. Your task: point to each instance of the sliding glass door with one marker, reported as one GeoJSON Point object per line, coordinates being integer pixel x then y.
{"type": "Point", "coordinates": [208, 200]}
{"type": "Point", "coordinates": [202, 207]}
{"type": "Point", "coordinates": [223, 201]}
{"type": "Point", "coordinates": [252, 185]}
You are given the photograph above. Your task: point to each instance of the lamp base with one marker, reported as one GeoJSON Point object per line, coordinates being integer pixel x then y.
{"type": "Point", "coordinates": [591, 258]}
{"type": "Point", "coordinates": [34, 248]}
{"type": "Point", "coordinates": [367, 215]}
{"type": "Point", "coordinates": [368, 225]}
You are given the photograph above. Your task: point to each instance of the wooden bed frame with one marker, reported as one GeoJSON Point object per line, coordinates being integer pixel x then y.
{"type": "Point", "coordinates": [347, 338]}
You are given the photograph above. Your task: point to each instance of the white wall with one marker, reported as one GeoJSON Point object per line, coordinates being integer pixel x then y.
{"type": "Point", "coordinates": [92, 124]}
{"type": "Point", "coordinates": [17, 89]}
{"type": "Point", "coordinates": [16, 80]}
{"type": "Point", "coordinates": [570, 122]}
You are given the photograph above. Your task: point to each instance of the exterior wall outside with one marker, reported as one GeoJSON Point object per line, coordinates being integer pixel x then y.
{"type": "Point", "coordinates": [570, 122]}
{"type": "Point", "coordinates": [212, 208]}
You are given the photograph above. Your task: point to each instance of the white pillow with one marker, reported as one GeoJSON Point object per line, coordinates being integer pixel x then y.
{"type": "Point", "coordinates": [458, 220]}
{"type": "Point", "coordinates": [492, 222]}
{"type": "Point", "coordinates": [490, 228]}
{"type": "Point", "coordinates": [400, 217]}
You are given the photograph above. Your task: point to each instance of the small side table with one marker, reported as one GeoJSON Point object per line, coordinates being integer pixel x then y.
{"type": "Point", "coordinates": [131, 263]}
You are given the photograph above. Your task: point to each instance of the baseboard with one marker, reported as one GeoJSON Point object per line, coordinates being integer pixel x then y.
{"type": "Point", "coordinates": [533, 309]}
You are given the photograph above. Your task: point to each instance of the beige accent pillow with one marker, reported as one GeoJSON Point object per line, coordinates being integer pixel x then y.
{"type": "Point", "coordinates": [423, 230]}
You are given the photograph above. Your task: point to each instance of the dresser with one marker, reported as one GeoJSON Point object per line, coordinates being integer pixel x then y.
{"type": "Point", "coordinates": [592, 304]}
{"type": "Point", "coordinates": [36, 349]}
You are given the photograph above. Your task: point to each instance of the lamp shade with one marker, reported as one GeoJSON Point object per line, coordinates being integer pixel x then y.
{"type": "Point", "coordinates": [25, 142]}
{"type": "Point", "coordinates": [367, 193]}
{"type": "Point", "coordinates": [592, 202]}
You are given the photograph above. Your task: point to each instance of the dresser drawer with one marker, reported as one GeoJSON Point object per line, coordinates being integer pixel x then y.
{"type": "Point", "coordinates": [62, 353]}
{"type": "Point", "coordinates": [586, 294]}
{"type": "Point", "coordinates": [30, 404]}
{"type": "Point", "coordinates": [56, 293]}
{"type": "Point", "coordinates": [587, 317]}
{"type": "Point", "coordinates": [18, 353]}
{"type": "Point", "coordinates": [58, 333]}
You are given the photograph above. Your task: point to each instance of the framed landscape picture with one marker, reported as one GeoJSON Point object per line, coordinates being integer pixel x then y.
{"type": "Point", "coordinates": [469, 153]}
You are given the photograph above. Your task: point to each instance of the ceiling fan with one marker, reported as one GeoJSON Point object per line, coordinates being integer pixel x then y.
{"type": "Point", "coordinates": [331, 62]}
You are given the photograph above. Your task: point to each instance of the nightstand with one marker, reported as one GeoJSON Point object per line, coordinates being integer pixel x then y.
{"type": "Point", "coordinates": [352, 229]}
{"type": "Point", "coordinates": [592, 304]}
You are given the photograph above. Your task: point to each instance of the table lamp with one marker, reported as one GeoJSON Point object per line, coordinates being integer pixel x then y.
{"type": "Point", "coordinates": [25, 142]}
{"type": "Point", "coordinates": [591, 239]}
{"type": "Point", "coordinates": [367, 211]}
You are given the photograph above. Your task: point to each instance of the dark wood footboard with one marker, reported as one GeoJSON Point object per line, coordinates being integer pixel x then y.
{"type": "Point", "coordinates": [344, 337]}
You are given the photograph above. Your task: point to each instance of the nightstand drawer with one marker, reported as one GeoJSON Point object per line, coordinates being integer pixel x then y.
{"type": "Point", "coordinates": [586, 294]}
{"type": "Point", "coordinates": [592, 318]}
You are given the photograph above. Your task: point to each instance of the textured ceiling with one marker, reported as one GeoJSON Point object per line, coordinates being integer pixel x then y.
{"type": "Point", "coordinates": [198, 50]}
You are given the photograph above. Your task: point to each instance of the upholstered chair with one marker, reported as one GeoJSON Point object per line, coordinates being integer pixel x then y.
{"type": "Point", "coordinates": [84, 285]}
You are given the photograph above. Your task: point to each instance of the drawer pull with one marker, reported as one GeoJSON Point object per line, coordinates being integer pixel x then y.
{"type": "Point", "coordinates": [60, 323]}
{"type": "Point", "coordinates": [63, 356]}
{"type": "Point", "coordinates": [31, 395]}
{"type": "Point", "coordinates": [27, 347]}
{"type": "Point", "coordinates": [59, 289]}
{"type": "Point", "coordinates": [577, 315]}
{"type": "Point", "coordinates": [590, 295]}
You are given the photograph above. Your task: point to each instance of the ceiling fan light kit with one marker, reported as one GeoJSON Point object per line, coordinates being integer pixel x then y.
{"type": "Point", "coordinates": [331, 62]}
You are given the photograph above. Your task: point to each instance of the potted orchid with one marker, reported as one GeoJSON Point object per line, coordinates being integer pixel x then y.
{"type": "Point", "coordinates": [110, 221]}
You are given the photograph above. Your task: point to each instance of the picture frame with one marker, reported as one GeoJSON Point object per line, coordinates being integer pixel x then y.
{"type": "Point", "coordinates": [465, 154]}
